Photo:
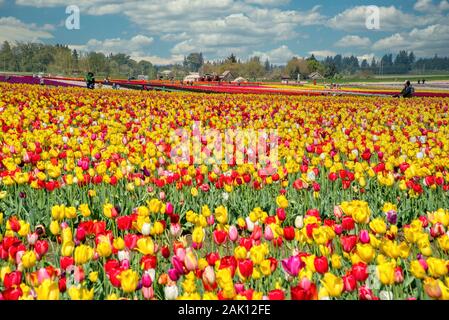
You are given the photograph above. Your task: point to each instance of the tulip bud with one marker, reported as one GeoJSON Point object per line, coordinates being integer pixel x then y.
{"type": "Point", "coordinates": [280, 212]}
{"type": "Point", "coordinates": [162, 195]}
{"type": "Point", "coordinates": [249, 224]}
{"type": "Point", "coordinates": [299, 222]}
{"type": "Point", "coordinates": [123, 255]}
{"type": "Point", "coordinates": [169, 208]}
{"type": "Point", "coordinates": [32, 238]}
{"type": "Point", "coordinates": [210, 220]}
{"type": "Point", "coordinates": [338, 229]}
{"type": "Point", "coordinates": [148, 293]}
{"type": "Point", "coordinates": [432, 288]}
{"type": "Point", "coordinates": [146, 280]}
{"type": "Point", "coordinates": [171, 292]}
{"type": "Point", "coordinates": [268, 234]}
{"type": "Point", "coordinates": [175, 229]}
{"type": "Point", "coordinates": [233, 233]}
{"type": "Point", "coordinates": [398, 275]}
{"type": "Point", "coordinates": [338, 213]}
{"type": "Point", "coordinates": [190, 260]}
{"type": "Point", "coordinates": [209, 275]}
{"type": "Point", "coordinates": [173, 274]}
{"type": "Point", "coordinates": [364, 236]}
{"type": "Point", "coordinates": [146, 229]}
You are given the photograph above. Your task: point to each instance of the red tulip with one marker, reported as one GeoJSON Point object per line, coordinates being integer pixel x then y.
{"type": "Point", "coordinates": [220, 236]}
{"type": "Point", "coordinates": [246, 268]}
{"type": "Point", "coordinates": [289, 233]}
{"type": "Point", "coordinates": [276, 295]}
{"type": "Point", "coordinates": [349, 282]}
{"type": "Point", "coordinates": [124, 222]}
{"type": "Point", "coordinates": [332, 176]}
{"type": "Point", "coordinates": [165, 251]}
{"type": "Point", "coordinates": [12, 279]}
{"type": "Point", "coordinates": [360, 271]}
{"type": "Point", "coordinates": [321, 264]}
{"type": "Point", "coordinates": [347, 223]}
{"type": "Point", "coordinates": [66, 262]}
{"type": "Point", "coordinates": [348, 242]}
{"type": "Point", "coordinates": [280, 212]}
{"type": "Point", "coordinates": [41, 247]}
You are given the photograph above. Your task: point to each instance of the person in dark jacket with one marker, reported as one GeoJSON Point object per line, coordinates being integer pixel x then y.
{"type": "Point", "coordinates": [90, 80]}
{"type": "Point", "coordinates": [407, 92]}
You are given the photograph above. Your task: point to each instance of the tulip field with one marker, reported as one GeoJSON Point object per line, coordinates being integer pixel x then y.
{"type": "Point", "coordinates": [351, 200]}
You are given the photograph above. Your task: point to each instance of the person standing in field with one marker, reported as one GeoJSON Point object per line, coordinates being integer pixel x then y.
{"type": "Point", "coordinates": [90, 80]}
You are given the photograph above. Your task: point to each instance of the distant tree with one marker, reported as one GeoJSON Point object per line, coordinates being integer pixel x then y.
{"type": "Point", "coordinates": [296, 67]}
{"type": "Point", "coordinates": [267, 65]}
{"type": "Point", "coordinates": [7, 62]}
{"type": "Point", "coordinates": [194, 61]}
{"type": "Point", "coordinates": [364, 64]}
{"type": "Point", "coordinates": [231, 59]}
{"type": "Point", "coordinates": [330, 69]}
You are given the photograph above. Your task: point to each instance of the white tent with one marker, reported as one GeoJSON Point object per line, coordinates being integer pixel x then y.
{"type": "Point", "coordinates": [192, 77]}
{"type": "Point", "coordinates": [240, 80]}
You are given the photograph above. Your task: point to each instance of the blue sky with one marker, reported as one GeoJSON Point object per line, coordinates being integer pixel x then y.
{"type": "Point", "coordinates": [163, 31]}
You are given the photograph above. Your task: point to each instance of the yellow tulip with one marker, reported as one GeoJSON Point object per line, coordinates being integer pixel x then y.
{"type": "Point", "coordinates": [145, 245]}
{"type": "Point", "coordinates": [128, 280]}
{"type": "Point", "coordinates": [48, 290]}
{"type": "Point", "coordinates": [332, 284]}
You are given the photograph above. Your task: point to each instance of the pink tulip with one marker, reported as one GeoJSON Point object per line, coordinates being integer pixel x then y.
{"type": "Point", "coordinates": [257, 233]}
{"type": "Point", "coordinates": [32, 238]}
{"type": "Point", "coordinates": [292, 265]}
{"type": "Point", "coordinates": [268, 234]}
{"type": "Point", "coordinates": [338, 213]}
{"type": "Point", "coordinates": [173, 274]}
{"type": "Point", "coordinates": [146, 280]}
{"type": "Point", "coordinates": [239, 287]}
{"type": "Point", "coordinates": [175, 229]}
{"type": "Point", "coordinates": [148, 293]}
{"type": "Point", "coordinates": [338, 229]}
{"type": "Point", "coordinates": [178, 265]}
{"type": "Point", "coordinates": [209, 275]}
{"type": "Point", "coordinates": [180, 253]}
{"type": "Point", "coordinates": [210, 220]}
{"type": "Point", "coordinates": [233, 233]}
{"type": "Point", "coordinates": [42, 274]}
{"type": "Point", "coordinates": [190, 260]}
{"type": "Point", "coordinates": [162, 195]}
{"type": "Point", "coordinates": [364, 236]}
{"type": "Point", "coordinates": [124, 264]}
{"type": "Point", "coordinates": [305, 283]}
{"type": "Point", "coordinates": [169, 208]}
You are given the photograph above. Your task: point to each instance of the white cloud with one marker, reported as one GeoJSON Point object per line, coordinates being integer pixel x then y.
{"type": "Point", "coordinates": [429, 6]}
{"type": "Point", "coordinates": [156, 60]}
{"type": "Point", "coordinates": [267, 2]}
{"type": "Point", "coordinates": [277, 56]}
{"type": "Point", "coordinates": [135, 46]}
{"type": "Point", "coordinates": [368, 57]}
{"type": "Point", "coordinates": [12, 29]}
{"type": "Point", "coordinates": [353, 41]}
{"type": "Point", "coordinates": [212, 26]}
{"type": "Point", "coordinates": [323, 53]}
{"type": "Point", "coordinates": [427, 41]}
{"type": "Point", "coordinates": [391, 19]}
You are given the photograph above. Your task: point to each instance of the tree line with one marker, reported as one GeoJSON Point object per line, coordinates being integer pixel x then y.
{"type": "Point", "coordinates": [61, 60]}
